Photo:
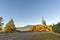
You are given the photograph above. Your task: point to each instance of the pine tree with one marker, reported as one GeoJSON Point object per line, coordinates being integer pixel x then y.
{"type": "Point", "coordinates": [43, 22]}
{"type": "Point", "coordinates": [1, 24]}
{"type": "Point", "coordinates": [10, 27]}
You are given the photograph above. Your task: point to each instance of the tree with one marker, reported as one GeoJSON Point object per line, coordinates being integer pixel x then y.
{"type": "Point", "coordinates": [43, 21]}
{"type": "Point", "coordinates": [56, 28]}
{"type": "Point", "coordinates": [1, 24]}
{"type": "Point", "coordinates": [34, 28]}
{"type": "Point", "coordinates": [10, 27]}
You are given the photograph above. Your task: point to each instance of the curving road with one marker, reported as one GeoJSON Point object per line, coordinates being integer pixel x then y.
{"type": "Point", "coordinates": [18, 36]}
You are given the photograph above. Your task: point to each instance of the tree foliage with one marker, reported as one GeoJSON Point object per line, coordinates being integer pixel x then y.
{"type": "Point", "coordinates": [43, 22]}
{"type": "Point", "coordinates": [34, 28]}
{"type": "Point", "coordinates": [1, 19]}
{"type": "Point", "coordinates": [10, 27]}
{"type": "Point", "coordinates": [56, 28]}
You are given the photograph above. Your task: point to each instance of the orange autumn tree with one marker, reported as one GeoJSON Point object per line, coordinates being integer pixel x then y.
{"type": "Point", "coordinates": [41, 27]}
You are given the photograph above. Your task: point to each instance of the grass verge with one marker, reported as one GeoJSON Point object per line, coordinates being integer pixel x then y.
{"type": "Point", "coordinates": [46, 36]}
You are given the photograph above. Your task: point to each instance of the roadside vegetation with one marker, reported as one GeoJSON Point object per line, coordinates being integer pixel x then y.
{"type": "Point", "coordinates": [10, 27]}
{"type": "Point", "coordinates": [56, 27]}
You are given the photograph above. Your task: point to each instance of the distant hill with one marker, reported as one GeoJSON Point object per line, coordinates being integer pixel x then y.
{"type": "Point", "coordinates": [24, 28]}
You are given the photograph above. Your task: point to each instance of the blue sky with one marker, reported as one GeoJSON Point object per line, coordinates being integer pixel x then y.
{"type": "Point", "coordinates": [28, 12]}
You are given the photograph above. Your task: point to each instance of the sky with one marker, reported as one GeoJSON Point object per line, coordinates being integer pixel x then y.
{"type": "Point", "coordinates": [30, 12]}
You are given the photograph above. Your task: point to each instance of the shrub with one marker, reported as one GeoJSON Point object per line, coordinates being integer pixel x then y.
{"type": "Point", "coordinates": [56, 28]}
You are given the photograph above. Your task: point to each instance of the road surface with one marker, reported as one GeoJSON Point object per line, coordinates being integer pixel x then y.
{"type": "Point", "coordinates": [18, 36]}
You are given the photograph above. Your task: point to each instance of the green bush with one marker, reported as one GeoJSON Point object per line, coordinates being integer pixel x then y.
{"type": "Point", "coordinates": [56, 28]}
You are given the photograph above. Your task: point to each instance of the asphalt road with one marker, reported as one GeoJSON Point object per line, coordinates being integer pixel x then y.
{"type": "Point", "coordinates": [18, 36]}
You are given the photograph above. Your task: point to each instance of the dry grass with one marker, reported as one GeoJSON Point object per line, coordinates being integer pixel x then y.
{"type": "Point", "coordinates": [46, 36]}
